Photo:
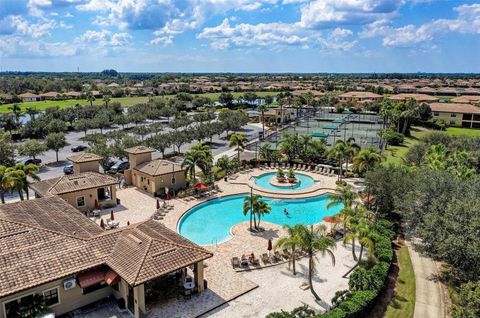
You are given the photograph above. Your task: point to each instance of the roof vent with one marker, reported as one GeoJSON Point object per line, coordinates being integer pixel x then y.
{"type": "Point", "coordinates": [75, 182]}
{"type": "Point", "coordinates": [135, 239]}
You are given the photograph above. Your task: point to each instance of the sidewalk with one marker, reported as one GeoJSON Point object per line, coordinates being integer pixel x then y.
{"type": "Point", "coordinates": [429, 292]}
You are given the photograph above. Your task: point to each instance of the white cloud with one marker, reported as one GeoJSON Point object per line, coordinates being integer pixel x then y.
{"type": "Point", "coordinates": [15, 46]}
{"type": "Point", "coordinates": [328, 13]}
{"type": "Point", "coordinates": [17, 25]}
{"type": "Point", "coordinates": [467, 22]}
{"type": "Point", "coordinates": [104, 38]}
{"type": "Point", "coordinates": [340, 33]}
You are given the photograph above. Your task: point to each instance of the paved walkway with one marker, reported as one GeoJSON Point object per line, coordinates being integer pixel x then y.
{"type": "Point", "coordinates": [429, 291]}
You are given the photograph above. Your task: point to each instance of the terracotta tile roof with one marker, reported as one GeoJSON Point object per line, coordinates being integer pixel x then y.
{"type": "Point", "coordinates": [28, 95]}
{"type": "Point", "coordinates": [417, 97]}
{"type": "Point", "coordinates": [466, 99]}
{"type": "Point", "coordinates": [46, 239]}
{"type": "Point", "coordinates": [139, 149]}
{"type": "Point", "coordinates": [158, 167]}
{"type": "Point", "coordinates": [455, 108]}
{"type": "Point", "coordinates": [72, 183]}
{"type": "Point", "coordinates": [84, 157]}
{"type": "Point", "coordinates": [150, 250]}
{"type": "Point", "coordinates": [360, 95]}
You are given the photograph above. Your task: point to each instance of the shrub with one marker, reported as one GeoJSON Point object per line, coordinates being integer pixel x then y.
{"type": "Point", "coordinates": [335, 313]}
{"type": "Point", "coordinates": [392, 137]}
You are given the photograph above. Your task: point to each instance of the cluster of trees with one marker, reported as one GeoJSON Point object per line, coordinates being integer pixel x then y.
{"type": "Point", "coordinates": [17, 178]}
{"type": "Point", "coordinates": [360, 225]}
{"type": "Point", "coordinates": [437, 196]}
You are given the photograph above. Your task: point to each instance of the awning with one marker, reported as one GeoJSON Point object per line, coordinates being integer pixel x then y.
{"type": "Point", "coordinates": [111, 277]}
{"type": "Point", "coordinates": [90, 278]}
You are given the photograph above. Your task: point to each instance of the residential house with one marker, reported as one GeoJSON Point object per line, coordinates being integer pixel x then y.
{"type": "Point", "coordinates": [459, 115]}
{"type": "Point", "coordinates": [419, 98]}
{"type": "Point", "coordinates": [29, 97]}
{"type": "Point", "coordinates": [359, 97]}
{"type": "Point", "coordinates": [50, 95]}
{"type": "Point", "coordinates": [277, 115]}
{"type": "Point", "coordinates": [153, 176]}
{"type": "Point", "coordinates": [86, 189]}
{"type": "Point", "coordinates": [51, 249]}
{"type": "Point", "coordinates": [466, 99]}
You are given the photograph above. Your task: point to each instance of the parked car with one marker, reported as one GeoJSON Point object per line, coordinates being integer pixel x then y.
{"type": "Point", "coordinates": [68, 169]}
{"type": "Point", "coordinates": [30, 161]}
{"type": "Point", "coordinates": [79, 148]}
{"type": "Point", "coordinates": [120, 166]}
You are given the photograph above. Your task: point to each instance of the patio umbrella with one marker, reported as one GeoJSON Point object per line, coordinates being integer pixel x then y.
{"type": "Point", "coordinates": [270, 247]}
{"type": "Point", "coordinates": [102, 224]}
{"type": "Point", "coordinates": [333, 219]}
{"type": "Point", "coordinates": [96, 204]}
{"type": "Point", "coordinates": [158, 204]}
{"type": "Point", "coordinates": [111, 215]}
{"type": "Point", "coordinates": [200, 186]}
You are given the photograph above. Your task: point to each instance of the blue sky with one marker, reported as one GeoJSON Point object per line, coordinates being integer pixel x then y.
{"type": "Point", "coordinates": [240, 35]}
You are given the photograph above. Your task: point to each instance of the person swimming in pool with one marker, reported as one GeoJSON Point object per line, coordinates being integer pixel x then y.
{"type": "Point", "coordinates": [285, 211]}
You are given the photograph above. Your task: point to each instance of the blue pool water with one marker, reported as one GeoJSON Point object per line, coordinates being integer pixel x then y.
{"type": "Point", "coordinates": [210, 222]}
{"type": "Point", "coordinates": [303, 182]}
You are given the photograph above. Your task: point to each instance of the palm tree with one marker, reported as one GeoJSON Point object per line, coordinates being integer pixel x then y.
{"type": "Point", "coordinates": [366, 159]}
{"type": "Point", "coordinates": [91, 98]}
{"type": "Point", "coordinates": [106, 100]}
{"type": "Point", "coordinates": [347, 149]}
{"type": "Point", "coordinates": [207, 159]}
{"type": "Point", "coordinates": [262, 108]}
{"type": "Point", "coordinates": [193, 157]}
{"type": "Point", "coordinates": [265, 151]}
{"type": "Point", "coordinates": [13, 180]}
{"type": "Point", "coordinates": [262, 209]}
{"type": "Point", "coordinates": [290, 242]}
{"type": "Point", "coordinates": [238, 141]}
{"type": "Point", "coordinates": [343, 195]}
{"type": "Point", "coordinates": [256, 207]}
{"type": "Point", "coordinates": [29, 171]}
{"type": "Point", "coordinates": [312, 240]}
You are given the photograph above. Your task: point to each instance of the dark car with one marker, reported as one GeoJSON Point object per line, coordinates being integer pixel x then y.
{"type": "Point", "coordinates": [68, 169]}
{"type": "Point", "coordinates": [120, 166]}
{"type": "Point", "coordinates": [30, 161]}
{"type": "Point", "coordinates": [79, 148]}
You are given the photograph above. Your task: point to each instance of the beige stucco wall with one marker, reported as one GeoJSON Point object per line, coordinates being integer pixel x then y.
{"type": "Point", "coordinates": [90, 196]}
{"type": "Point", "coordinates": [86, 166]}
{"type": "Point", "coordinates": [136, 159]}
{"type": "Point", "coordinates": [69, 299]}
{"type": "Point", "coordinates": [452, 121]}
{"type": "Point", "coordinates": [154, 184]}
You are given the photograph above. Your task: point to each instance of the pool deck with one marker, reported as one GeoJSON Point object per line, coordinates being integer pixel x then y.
{"type": "Point", "coordinates": [224, 283]}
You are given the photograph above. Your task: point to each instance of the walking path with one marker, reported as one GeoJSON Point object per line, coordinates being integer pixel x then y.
{"type": "Point", "coordinates": [429, 301]}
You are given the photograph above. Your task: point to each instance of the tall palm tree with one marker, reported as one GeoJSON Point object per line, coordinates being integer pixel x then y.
{"type": "Point", "coordinates": [346, 150]}
{"type": "Point", "coordinates": [265, 151]}
{"type": "Point", "coordinates": [90, 98]}
{"type": "Point", "coordinates": [290, 242]}
{"type": "Point", "coordinates": [313, 240]}
{"type": "Point", "coordinates": [207, 159]}
{"type": "Point", "coordinates": [343, 195]}
{"type": "Point", "coordinates": [17, 112]}
{"type": "Point", "coordinates": [193, 157]}
{"type": "Point", "coordinates": [262, 108]}
{"type": "Point", "coordinates": [262, 209]}
{"type": "Point", "coordinates": [13, 180]}
{"type": "Point", "coordinates": [256, 207]}
{"type": "Point", "coordinates": [366, 159]}
{"type": "Point", "coordinates": [29, 171]}
{"type": "Point", "coordinates": [238, 141]}
{"type": "Point", "coordinates": [106, 100]}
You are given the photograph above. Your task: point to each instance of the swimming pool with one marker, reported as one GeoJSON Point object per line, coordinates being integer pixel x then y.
{"type": "Point", "coordinates": [303, 182]}
{"type": "Point", "coordinates": [210, 222]}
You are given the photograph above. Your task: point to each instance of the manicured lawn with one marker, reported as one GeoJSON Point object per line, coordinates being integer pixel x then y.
{"type": "Point", "coordinates": [454, 131]}
{"type": "Point", "coordinates": [403, 302]}
{"type": "Point", "coordinates": [395, 154]}
{"type": "Point", "coordinates": [125, 101]}
{"type": "Point", "coordinates": [42, 105]}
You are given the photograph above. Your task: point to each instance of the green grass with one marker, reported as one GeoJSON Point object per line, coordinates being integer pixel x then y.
{"type": "Point", "coordinates": [403, 302]}
{"type": "Point", "coordinates": [125, 101]}
{"type": "Point", "coordinates": [454, 131]}
{"type": "Point", "coordinates": [395, 154]}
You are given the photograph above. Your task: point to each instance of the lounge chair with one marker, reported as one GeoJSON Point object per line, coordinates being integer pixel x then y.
{"type": "Point", "coordinates": [278, 256]}
{"type": "Point", "coordinates": [304, 167]}
{"type": "Point", "coordinates": [265, 258]}
{"type": "Point", "coordinates": [286, 254]}
{"type": "Point", "coordinates": [235, 262]}
{"type": "Point", "coordinates": [294, 166]}
{"type": "Point", "coordinates": [255, 262]}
